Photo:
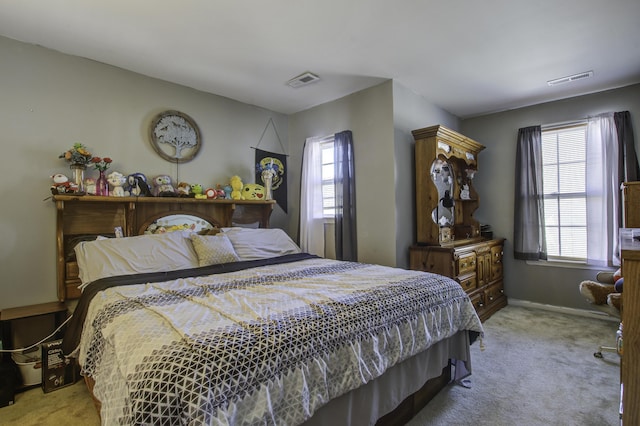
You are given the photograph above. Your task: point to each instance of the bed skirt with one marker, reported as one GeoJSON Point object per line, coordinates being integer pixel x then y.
{"type": "Point", "coordinates": [396, 396]}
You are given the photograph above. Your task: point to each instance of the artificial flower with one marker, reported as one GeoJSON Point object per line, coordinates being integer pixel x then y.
{"type": "Point", "coordinates": [77, 155]}
{"type": "Point", "coordinates": [101, 164]}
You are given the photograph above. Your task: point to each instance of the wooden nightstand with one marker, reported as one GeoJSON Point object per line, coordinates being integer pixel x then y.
{"type": "Point", "coordinates": [58, 309]}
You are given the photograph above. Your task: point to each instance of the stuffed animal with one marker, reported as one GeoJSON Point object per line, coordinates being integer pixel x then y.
{"type": "Point", "coordinates": [137, 185]}
{"type": "Point", "coordinates": [606, 291]}
{"type": "Point", "coordinates": [236, 187]}
{"type": "Point", "coordinates": [253, 191]}
{"type": "Point", "coordinates": [116, 182]}
{"type": "Point", "coordinates": [90, 186]}
{"type": "Point", "coordinates": [162, 186]}
{"type": "Point", "coordinates": [211, 194]}
{"type": "Point", "coordinates": [183, 189]}
{"type": "Point", "coordinates": [227, 191]}
{"type": "Point", "coordinates": [61, 184]}
{"type": "Point", "coordinates": [197, 191]}
{"type": "Point", "coordinates": [220, 192]}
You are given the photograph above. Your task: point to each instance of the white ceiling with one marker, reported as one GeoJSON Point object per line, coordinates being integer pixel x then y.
{"type": "Point", "coordinates": [469, 57]}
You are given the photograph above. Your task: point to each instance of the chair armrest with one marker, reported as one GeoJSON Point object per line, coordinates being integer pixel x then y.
{"type": "Point", "coordinates": [605, 277]}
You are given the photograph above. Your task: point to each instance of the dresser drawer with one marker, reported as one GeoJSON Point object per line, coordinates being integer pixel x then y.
{"type": "Point", "coordinates": [477, 301]}
{"type": "Point", "coordinates": [496, 262]}
{"type": "Point", "coordinates": [493, 292]}
{"type": "Point", "coordinates": [496, 271]}
{"type": "Point", "coordinates": [468, 283]}
{"type": "Point", "coordinates": [466, 264]}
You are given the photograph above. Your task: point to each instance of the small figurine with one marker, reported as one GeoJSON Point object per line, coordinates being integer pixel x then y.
{"type": "Point", "coordinates": [227, 191]}
{"type": "Point", "coordinates": [236, 187]}
{"type": "Point", "coordinates": [116, 182]}
{"type": "Point", "coordinates": [61, 185]}
{"type": "Point", "coordinates": [197, 191]}
{"type": "Point", "coordinates": [211, 194]}
{"type": "Point", "coordinates": [90, 186]}
{"type": "Point", "coordinates": [464, 192]}
{"type": "Point", "coordinates": [183, 189]}
{"type": "Point", "coordinates": [137, 185]}
{"type": "Point", "coordinates": [162, 186]}
{"type": "Point", "coordinates": [220, 194]}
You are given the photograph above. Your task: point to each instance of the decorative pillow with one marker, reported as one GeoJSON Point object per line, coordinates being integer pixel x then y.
{"type": "Point", "coordinates": [213, 249]}
{"type": "Point", "coordinates": [131, 255]}
{"type": "Point", "coordinates": [260, 243]}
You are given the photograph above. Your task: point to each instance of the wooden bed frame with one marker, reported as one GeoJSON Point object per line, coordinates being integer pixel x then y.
{"type": "Point", "coordinates": [85, 217]}
{"type": "Point", "coordinates": [82, 217]}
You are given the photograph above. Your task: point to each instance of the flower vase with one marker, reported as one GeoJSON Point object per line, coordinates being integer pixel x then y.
{"type": "Point", "coordinates": [78, 176]}
{"type": "Point", "coordinates": [267, 179]}
{"type": "Point", "coordinates": [102, 185]}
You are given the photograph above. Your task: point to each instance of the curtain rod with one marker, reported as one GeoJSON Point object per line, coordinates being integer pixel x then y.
{"type": "Point", "coordinates": [564, 124]}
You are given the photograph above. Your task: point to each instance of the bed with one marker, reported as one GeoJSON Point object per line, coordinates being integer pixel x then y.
{"type": "Point", "coordinates": [242, 328]}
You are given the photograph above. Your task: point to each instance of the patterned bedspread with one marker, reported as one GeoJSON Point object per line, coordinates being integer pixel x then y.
{"type": "Point", "coordinates": [262, 345]}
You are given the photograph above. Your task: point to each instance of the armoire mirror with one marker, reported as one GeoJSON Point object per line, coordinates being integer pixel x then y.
{"type": "Point", "coordinates": [443, 178]}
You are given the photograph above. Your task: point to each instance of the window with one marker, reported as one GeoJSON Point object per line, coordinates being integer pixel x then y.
{"type": "Point", "coordinates": [327, 174]}
{"type": "Point", "coordinates": [565, 197]}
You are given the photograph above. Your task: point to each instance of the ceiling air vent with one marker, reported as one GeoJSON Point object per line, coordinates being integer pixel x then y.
{"type": "Point", "coordinates": [570, 78]}
{"type": "Point", "coordinates": [303, 79]}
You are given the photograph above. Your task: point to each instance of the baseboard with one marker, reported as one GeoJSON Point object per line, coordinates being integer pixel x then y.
{"type": "Point", "coordinates": [563, 309]}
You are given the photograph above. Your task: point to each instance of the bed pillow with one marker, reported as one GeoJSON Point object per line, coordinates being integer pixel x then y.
{"type": "Point", "coordinates": [213, 249]}
{"type": "Point", "coordinates": [261, 243]}
{"type": "Point", "coordinates": [132, 255]}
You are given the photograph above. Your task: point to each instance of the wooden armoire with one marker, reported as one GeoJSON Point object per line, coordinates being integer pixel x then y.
{"type": "Point", "coordinates": [448, 238]}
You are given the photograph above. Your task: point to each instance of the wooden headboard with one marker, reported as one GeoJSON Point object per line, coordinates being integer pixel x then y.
{"type": "Point", "coordinates": [85, 217]}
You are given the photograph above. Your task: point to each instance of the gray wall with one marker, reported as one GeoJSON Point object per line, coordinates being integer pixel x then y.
{"type": "Point", "coordinates": [410, 112]}
{"type": "Point", "coordinates": [381, 119]}
{"type": "Point", "coordinates": [368, 114]}
{"type": "Point", "coordinates": [495, 180]}
{"type": "Point", "coordinates": [51, 100]}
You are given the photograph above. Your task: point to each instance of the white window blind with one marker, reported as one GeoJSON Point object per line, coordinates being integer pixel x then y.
{"type": "Point", "coordinates": [564, 177]}
{"type": "Point", "coordinates": [328, 186]}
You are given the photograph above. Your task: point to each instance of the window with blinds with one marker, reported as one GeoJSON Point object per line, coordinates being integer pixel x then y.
{"type": "Point", "coordinates": [328, 185]}
{"type": "Point", "coordinates": [565, 197]}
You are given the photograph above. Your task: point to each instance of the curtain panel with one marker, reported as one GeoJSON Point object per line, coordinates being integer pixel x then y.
{"type": "Point", "coordinates": [311, 218]}
{"type": "Point", "coordinates": [603, 191]}
{"type": "Point", "coordinates": [529, 226]}
{"type": "Point", "coordinates": [345, 194]}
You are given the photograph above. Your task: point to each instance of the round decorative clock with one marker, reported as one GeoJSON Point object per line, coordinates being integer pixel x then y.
{"type": "Point", "coordinates": [175, 136]}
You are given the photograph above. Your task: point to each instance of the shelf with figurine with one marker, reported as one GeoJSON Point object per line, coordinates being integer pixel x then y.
{"type": "Point", "coordinates": [115, 184]}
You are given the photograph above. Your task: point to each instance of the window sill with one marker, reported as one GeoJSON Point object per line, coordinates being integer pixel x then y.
{"type": "Point", "coordinates": [570, 265]}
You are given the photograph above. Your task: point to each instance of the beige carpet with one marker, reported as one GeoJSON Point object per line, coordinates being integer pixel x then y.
{"type": "Point", "coordinates": [69, 406]}
{"type": "Point", "coordinates": [538, 369]}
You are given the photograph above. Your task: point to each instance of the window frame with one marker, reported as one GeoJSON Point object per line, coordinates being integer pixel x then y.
{"type": "Point", "coordinates": [559, 195]}
{"type": "Point", "coordinates": [327, 180]}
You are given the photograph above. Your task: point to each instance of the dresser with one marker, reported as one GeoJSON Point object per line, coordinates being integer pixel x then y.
{"type": "Point", "coordinates": [631, 202]}
{"type": "Point", "coordinates": [449, 240]}
{"type": "Point", "coordinates": [630, 361]}
{"type": "Point", "coordinates": [476, 266]}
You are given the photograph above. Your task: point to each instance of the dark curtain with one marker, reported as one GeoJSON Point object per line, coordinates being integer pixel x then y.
{"type": "Point", "coordinates": [529, 230]}
{"type": "Point", "coordinates": [628, 161]}
{"type": "Point", "coordinates": [345, 197]}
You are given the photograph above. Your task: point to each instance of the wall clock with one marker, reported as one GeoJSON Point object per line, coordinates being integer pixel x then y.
{"type": "Point", "coordinates": [175, 136]}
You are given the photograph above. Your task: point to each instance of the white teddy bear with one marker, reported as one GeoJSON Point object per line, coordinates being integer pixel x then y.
{"type": "Point", "coordinates": [116, 181]}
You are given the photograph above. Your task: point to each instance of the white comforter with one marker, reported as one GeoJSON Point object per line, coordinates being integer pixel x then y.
{"type": "Point", "coordinates": [266, 345]}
